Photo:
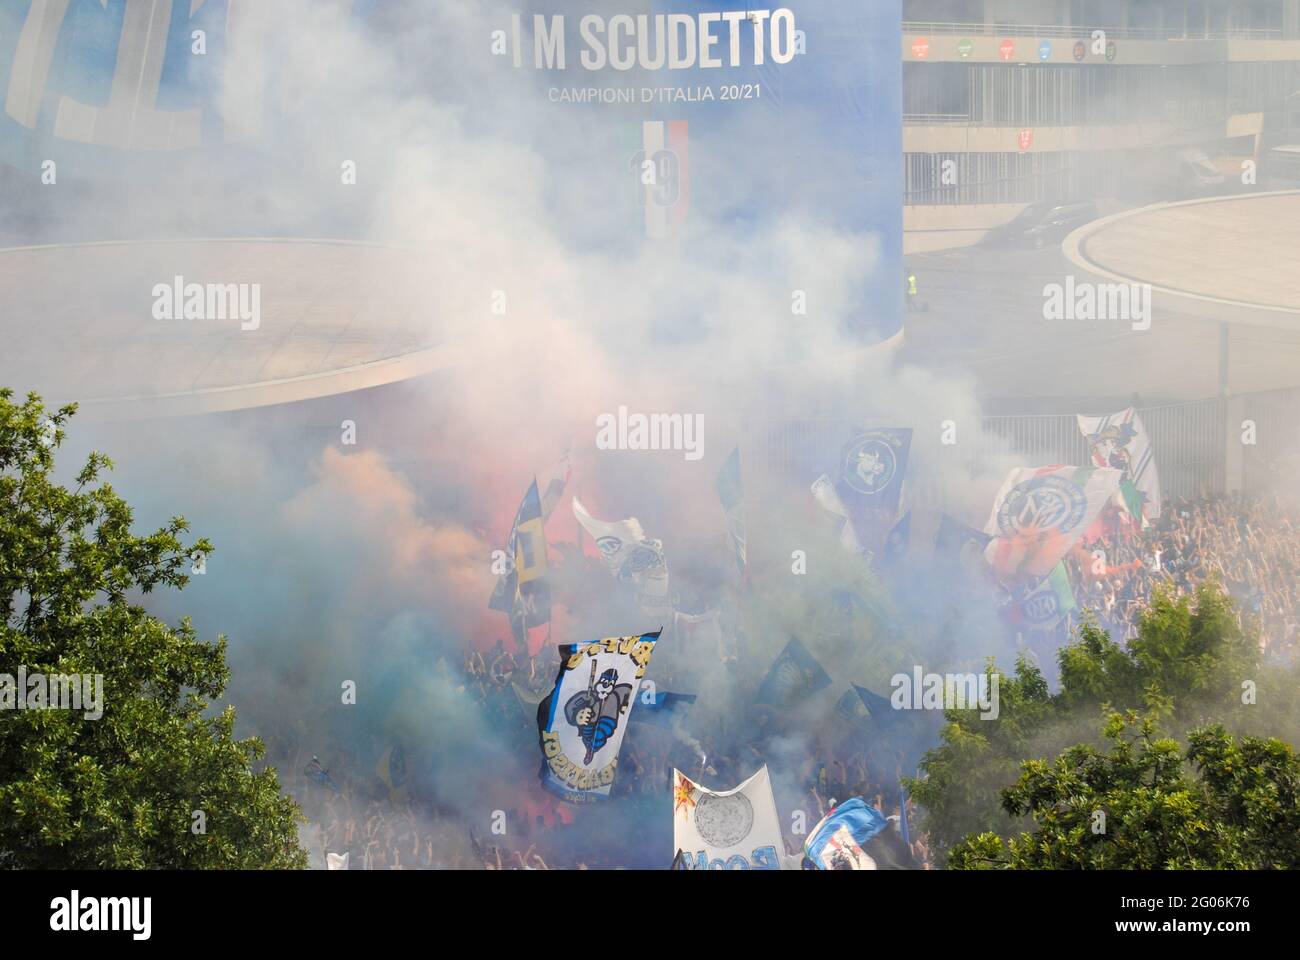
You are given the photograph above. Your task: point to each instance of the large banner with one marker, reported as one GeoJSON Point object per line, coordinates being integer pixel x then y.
{"type": "Point", "coordinates": [732, 830]}
{"type": "Point", "coordinates": [678, 118]}
{"type": "Point", "coordinates": [1040, 512]}
{"type": "Point", "coordinates": [582, 721]}
{"type": "Point", "coordinates": [1121, 442]}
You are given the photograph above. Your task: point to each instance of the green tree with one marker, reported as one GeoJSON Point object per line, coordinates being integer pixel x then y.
{"type": "Point", "coordinates": [120, 791]}
{"type": "Point", "coordinates": [1222, 804]}
{"type": "Point", "coordinates": [1189, 658]}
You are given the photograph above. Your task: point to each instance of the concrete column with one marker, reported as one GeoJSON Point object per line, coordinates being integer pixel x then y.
{"type": "Point", "coordinates": [1234, 453]}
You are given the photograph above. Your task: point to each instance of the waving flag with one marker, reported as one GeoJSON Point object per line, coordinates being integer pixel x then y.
{"type": "Point", "coordinates": [794, 676]}
{"type": "Point", "coordinates": [632, 559]}
{"type": "Point", "coordinates": [733, 830]}
{"type": "Point", "coordinates": [522, 590]}
{"type": "Point", "coordinates": [1120, 441]}
{"type": "Point", "coordinates": [879, 708]}
{"type": "Point", "coordinates": [872, 467]}
{"type": "Point", "coordinates": [319, 775]}
{"type": "Point", "coordinates": [958, 540]}
{"type": "Point", "coordinates": [1046, 604]}
{"type": "Point", "coordinates": [1040, 512]}
{"type": "Point", "coordinates": [582, 721]}
{"type": "Point", "coordinates": [837, 842]}
{"type": "Point", "coordinates": [851, 709]}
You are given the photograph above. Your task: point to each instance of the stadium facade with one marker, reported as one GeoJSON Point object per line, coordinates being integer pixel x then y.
{"type": "Point", "coordinates": [1008, 102]}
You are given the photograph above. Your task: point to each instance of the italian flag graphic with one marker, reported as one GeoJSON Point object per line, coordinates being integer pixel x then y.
{"type": "Point", "coordinates": [660, 168]}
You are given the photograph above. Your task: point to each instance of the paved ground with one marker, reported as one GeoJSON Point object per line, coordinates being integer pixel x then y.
{"type": "Point", "coordinates": [1242, 249]}
{"type": "Point", "coordinates": [79, 323]}
{"type": "Point", "coordinates": [986, 320]}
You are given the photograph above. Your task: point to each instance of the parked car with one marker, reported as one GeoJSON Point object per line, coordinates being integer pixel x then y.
{"type": "Point", "coordinates": [1042, 223]}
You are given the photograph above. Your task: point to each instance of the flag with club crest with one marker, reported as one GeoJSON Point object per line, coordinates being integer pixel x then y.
{"type": "Point", "coordinates": [1120, 441]}
{"type": "Point", "coordinates": [391, 769]}
{"type": "Point", "coordinates": [793, 677]}
{"type": "Point", "coordinates": [1043, 608]}
{"type": "Point", "coordinates": [1039, 514]}
{"type": "Point", "coordinates": [582, 721]}
{"type": "Point", "coordinates": [873, 465]}
{"type": "Point", "coordinates": [735, 829]}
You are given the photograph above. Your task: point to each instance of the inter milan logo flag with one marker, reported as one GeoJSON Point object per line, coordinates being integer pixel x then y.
{"type": "Point", "coordinates": [522, 591]}
{"type": "Point", "coordinates": [1040, 512]}
{"type": "Point", "coordinates": [582, 721]}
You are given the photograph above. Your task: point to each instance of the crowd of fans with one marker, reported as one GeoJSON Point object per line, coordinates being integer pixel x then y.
{"type": "Point", "coordinates": [1248, 544]}
{"type": "Point", "coordinates": [354, 812]}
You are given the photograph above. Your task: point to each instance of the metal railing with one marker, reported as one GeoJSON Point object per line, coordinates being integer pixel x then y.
{"type": "Point", "coordinates": [1068, 32]}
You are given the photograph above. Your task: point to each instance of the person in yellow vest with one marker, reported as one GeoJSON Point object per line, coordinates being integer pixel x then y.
{"type": "Point", "coordinates": [911, 292]}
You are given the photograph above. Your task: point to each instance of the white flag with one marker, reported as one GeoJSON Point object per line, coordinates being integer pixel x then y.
{"type": "Point", "coordinates": [1039, 514]}
{"type": "Point", "coordinates": [632, 558]}
{"type": "Point", "coordinates": [828, 498]}
{"type": "Point", "coordinates": [733, 830]}
{"type": "Point", "coordinates": [1120, 441]}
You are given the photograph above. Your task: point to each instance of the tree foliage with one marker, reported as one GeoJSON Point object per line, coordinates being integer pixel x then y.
{"type": "Point", "coordinates": [1148, 804]}
{"type": "Point", "coordinates": [1189, 661]}
{"type": "Point", "coordinates": [120, 791]}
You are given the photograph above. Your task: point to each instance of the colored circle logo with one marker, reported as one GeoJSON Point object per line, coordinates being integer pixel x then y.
{"type": "Point", "coordinates": [1007, 49]}
{"type": "Point", "coordinates": [920, 48]}
{"type": "Point", "coordinates": [1041, 504]}
{"type": "Point", "coordinates": [964, 47]}
{"type": "Point", "coordinates": [1045, 50]}
{"type": "Point", "coordinates": [1079, 50]}
{"type": "Point", "coordinates": [869, 465]}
